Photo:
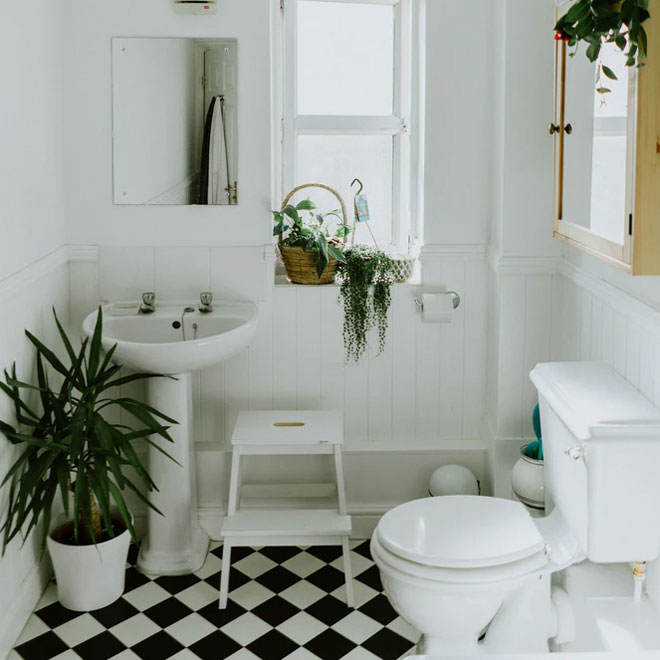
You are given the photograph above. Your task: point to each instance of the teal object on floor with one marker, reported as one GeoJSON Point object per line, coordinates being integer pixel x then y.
{"type": "Point", "coordinates": [535, 448]}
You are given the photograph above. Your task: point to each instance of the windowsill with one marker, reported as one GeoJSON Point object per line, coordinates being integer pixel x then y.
{"type": "Point", "coordinates": [282, 280]}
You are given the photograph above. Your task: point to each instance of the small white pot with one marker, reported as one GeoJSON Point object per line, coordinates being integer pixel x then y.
{"type": "Point", "coordinates": [528, 481]}
{"type": "Point", "coordinates": [89, 577]}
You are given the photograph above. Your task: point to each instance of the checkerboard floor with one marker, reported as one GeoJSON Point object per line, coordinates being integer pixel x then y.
{"type": "Point", "coordinates": [284, 602]}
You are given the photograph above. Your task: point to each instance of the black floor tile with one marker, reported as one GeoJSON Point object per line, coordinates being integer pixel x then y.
{"type": "Point", "coordinates": [275, 610]}
{"type": "Point", "coordinates": [325, 553]}
{"type": "Point", "coordinates": [55, 615]}
{"type": "Point", "coordinates": [280, 553]}
{"type": "Point", "coordinates": [168, 612]}
{"type": "Point", "coordinates": [115, 613]}
{"type": "Point", "coordinates": [220, 617]}
{"type": "Point", "coordinates": [371, 577]}
{"type": "Point", "coordinates": [272, 646]}
{"type": "Point", "coordinates": [379, 609]}
{"type": "Point", "coordinates": [387, 645]}
{"type": "Point", "coordinates": [236, 579]}
{"type": "Point", "coordinates": [329, 610]}
{"type": "Point", "coordinates": [330, 645]}
{"type": "Point", "coordinates": [176, 583]}
{"type": "Point", "coordinates": [327, 578]}
{"type": "Point", "coordinates": [236, 553]}
{"type": "Point", "coordinates": [44, 647]}
{"type": "Point", "coordinates": [278, 579]}
{"type": "Point", "coordinates": [157, 647]}
{"type": "Point", "coordinates": [215, 646]}
{"type": "Point", "coordinates": [134, 579]}
{"type": "Point", "coordinates": [133, 553]}
{"type": "Point", "coordinates": [364, 549]}
{"type": "Point", "coordinates": [100, 647]}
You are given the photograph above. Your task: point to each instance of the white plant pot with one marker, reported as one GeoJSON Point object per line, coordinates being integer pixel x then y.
{"type": "Point", "coordinates": [89, 577]}
{"type": "Point", "coordinates": [528, 481]}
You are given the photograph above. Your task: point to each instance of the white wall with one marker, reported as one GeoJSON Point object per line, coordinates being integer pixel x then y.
{"type": "Point", "coordinates": [155, 92]}
{"type": "Point", "coordinates": [33, 271]}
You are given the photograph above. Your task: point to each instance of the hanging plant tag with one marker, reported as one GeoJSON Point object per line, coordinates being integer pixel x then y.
{"type": "Point", "coordinates": [361, 208]}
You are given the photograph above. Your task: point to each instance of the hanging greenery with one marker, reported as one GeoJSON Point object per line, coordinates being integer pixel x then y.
{"type": "Point", "coordinates": [366, 279]}
{"type": "Point", "coordinates": [596, 22]}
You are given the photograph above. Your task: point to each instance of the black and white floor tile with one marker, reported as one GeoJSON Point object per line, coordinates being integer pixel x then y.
{"type": "Point", "coordinates": [283, 603]}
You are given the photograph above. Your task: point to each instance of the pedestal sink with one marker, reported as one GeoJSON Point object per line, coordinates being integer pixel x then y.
{"type": "Point", "coordinates": [175, 340]}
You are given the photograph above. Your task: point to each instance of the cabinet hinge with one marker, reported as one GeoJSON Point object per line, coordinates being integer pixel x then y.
{"type": "Point", "coordinates": [282, 6]}
{"type": "Point", "coordinates": [630, 223]}
{"type": "Point", "coordinates": [203, 81]}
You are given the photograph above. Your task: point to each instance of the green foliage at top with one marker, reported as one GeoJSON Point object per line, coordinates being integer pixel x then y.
{"type": "Point", "coordinates": [69, 449]}
{"type": "Point", "coordinates": [311, 233]}
{"type": "Point", "coordinates": [607, 21]}
{"type": "Point", "coordinates": [366, 279]}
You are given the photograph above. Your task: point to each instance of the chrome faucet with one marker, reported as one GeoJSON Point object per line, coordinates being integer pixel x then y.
{"type": "Point", "coordinates": [205, 299]}
{"type": "Point", "coordinates": [148, 305]}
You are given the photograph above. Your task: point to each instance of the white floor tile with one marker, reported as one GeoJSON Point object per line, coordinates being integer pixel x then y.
{"type": "Point", "coordinates": [48, 597]}
{"type": "Point", "coordinates": [135, 629]}
{"type": "Point", "coordinates": [357, 627]}
{"type": "Point", "coordinates": [79, 629]}
{"type": "Point", "coordinates": [250, 595]}
{"type": "Point", "coordinates": [146, 596]}
{"type": "Point", "coordinates": [243, 654]}
{"type": "Point", "coordinates": [198, 596]}
{"type": "Point", "coordinates": [246, 628]}
{"type": "Point", "coordinates": [33, 628]}
{"type": "Point", "coordinates": [301, 628]}
{"type": "Point", "coordinates": [254, 565]}
{"type": "Point", "coordinates": [301, 654]}
{"type": "Point", "coordinates": [183, 654]}
{"type": "Point", "coordinates": [302, 594]}
{"type": "Point", "coordinates": [190, 629]}
{"type": "Point", "coordinates": [126, 655]}
{"type": "Point", "coordinates": [303, 564]}
{"type": "Point", "coordinates": [211, 566]}
{"type": "Point", "coordinates": [358, 563]}
{"type": "Point", "coordinates": [360, 654]}
{"type": "Point", "coordinates": [404, 629]}
{"type": "Point", "coordinates": [362, 592]}
{"type": "Point", "coordinates": [69, 654]}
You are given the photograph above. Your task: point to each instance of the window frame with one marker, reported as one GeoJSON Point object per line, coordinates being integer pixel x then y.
{"type": "Point", "coordinates": [401, 125]}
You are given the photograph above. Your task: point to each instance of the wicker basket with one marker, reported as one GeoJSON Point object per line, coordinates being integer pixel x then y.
{"type": "Point", "coordinates": [402, 267]}
{"type": "Point", "coordinates": [300, 264]}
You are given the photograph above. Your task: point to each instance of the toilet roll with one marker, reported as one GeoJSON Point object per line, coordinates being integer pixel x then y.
{"type": "Point", "coordinates": [438, 307]}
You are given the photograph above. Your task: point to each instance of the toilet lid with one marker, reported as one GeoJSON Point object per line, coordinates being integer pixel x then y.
{"type": "Point", "coordinates": [460, 531]}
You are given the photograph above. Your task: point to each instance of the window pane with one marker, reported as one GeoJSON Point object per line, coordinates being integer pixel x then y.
{"type": "Point", "coordinates": [345, 58]}
{"type": "Point", "coordinates": [336, 160]}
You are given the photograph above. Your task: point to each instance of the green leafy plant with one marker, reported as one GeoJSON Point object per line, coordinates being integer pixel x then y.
{"type": "Point", "coordinates": [596, 22]}
{"type": "Point", "coordinates": [366, 281]}
{"type": "Point", "coordinates": [311, 233]}
{"type": "Point", "coordinates": [68, 446]}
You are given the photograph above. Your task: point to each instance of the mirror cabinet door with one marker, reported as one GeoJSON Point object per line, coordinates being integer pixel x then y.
{"type": "Point", "coordinates": [594, 152]}
{"type": "Point", "coordinates": [175, 137]}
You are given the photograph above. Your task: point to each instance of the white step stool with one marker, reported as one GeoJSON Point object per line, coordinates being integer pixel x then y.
{"type": "Point", "coordinates": [280, 433]}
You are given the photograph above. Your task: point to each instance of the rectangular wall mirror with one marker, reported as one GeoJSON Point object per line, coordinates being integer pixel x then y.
{"type": "Point", "coordinates": [175, 137]}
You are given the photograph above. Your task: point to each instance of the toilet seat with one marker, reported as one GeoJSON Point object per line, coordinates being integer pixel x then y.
{"type": "Point", "coordinates": [460, 532]}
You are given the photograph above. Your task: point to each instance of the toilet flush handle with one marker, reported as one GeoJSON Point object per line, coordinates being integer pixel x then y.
{"type": "Point", "coordinates": [574, 452]}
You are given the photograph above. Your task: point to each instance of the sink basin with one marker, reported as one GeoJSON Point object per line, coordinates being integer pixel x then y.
{"type": "Point", "coordinates": [169, 342]}
{"type": "Point", "coordinates": [172, 343]}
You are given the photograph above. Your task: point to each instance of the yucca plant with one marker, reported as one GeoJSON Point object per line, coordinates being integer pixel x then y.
{"type": "Point", "coordinates": [69, 447]}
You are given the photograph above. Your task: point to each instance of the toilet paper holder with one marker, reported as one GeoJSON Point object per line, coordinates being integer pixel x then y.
{"type": "Point", "coordinates": [455, 299]}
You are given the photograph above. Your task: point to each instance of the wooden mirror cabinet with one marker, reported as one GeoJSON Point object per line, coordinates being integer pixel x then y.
{"type": "Point", "coordinates": [607, 154]}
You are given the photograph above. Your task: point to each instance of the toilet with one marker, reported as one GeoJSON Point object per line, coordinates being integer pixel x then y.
{"type": "Point", "coordinates": [473, 574]}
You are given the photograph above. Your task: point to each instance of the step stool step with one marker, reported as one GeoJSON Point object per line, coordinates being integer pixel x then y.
{"type": "Point", "coordinates": [288, 427]}
{"type": "Point", "coordinates": [303, 522]}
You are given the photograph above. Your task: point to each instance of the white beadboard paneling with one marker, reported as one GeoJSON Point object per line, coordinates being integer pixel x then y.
{"type": "Point", "coordinates": [261, 361]}
{"type": "Point", "coordinates": [380, 387]}
{"type": "Point", "coordinates": [308, 330]}
{"type": "Point", "coordinates": [126, 272]}
{"type": "Point", "coordinates": [239, 270]}
{"type": "Point", "coordinates": [356, 401]}
{"type": "Point", "coordinates": [212, 405]}
{"type": "Point", "coordinates": [182, 273]}
{"type": "Point", "coordinates": [237, 389]}
{"type": "Point", "coordinates": [332, 351]}
{"type": "Point", "coordinates": [285, 348]}
{"type": "Point", "coordinates": [633, 340]}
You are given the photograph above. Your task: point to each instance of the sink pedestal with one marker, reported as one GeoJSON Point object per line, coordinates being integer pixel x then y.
{"type": "Point", "coordinates": [175, 543]}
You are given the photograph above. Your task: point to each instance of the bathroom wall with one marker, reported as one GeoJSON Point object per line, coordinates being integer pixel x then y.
{"type": "Point", "coordinates": [420, 402]}
{"type": "Point", "coordinates": [33, 258]}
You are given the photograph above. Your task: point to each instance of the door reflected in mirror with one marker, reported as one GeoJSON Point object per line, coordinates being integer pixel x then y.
{"type": "Point", "coordinates": [175, 133]}
{"type": "Point", "coordinates": [597, 151]}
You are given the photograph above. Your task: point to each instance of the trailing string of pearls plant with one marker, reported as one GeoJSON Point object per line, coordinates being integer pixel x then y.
{"type": "Point", "coordinates": [366, 280]}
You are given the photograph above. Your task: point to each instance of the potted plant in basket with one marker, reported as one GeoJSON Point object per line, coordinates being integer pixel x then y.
{"type": "Point", "coordinates": [70, 450]}
{"type": "Point", "coordinates": [310, 249]}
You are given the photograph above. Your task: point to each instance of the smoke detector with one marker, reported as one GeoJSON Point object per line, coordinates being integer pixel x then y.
{"type": "Point", "coordinates": [195, 6]}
